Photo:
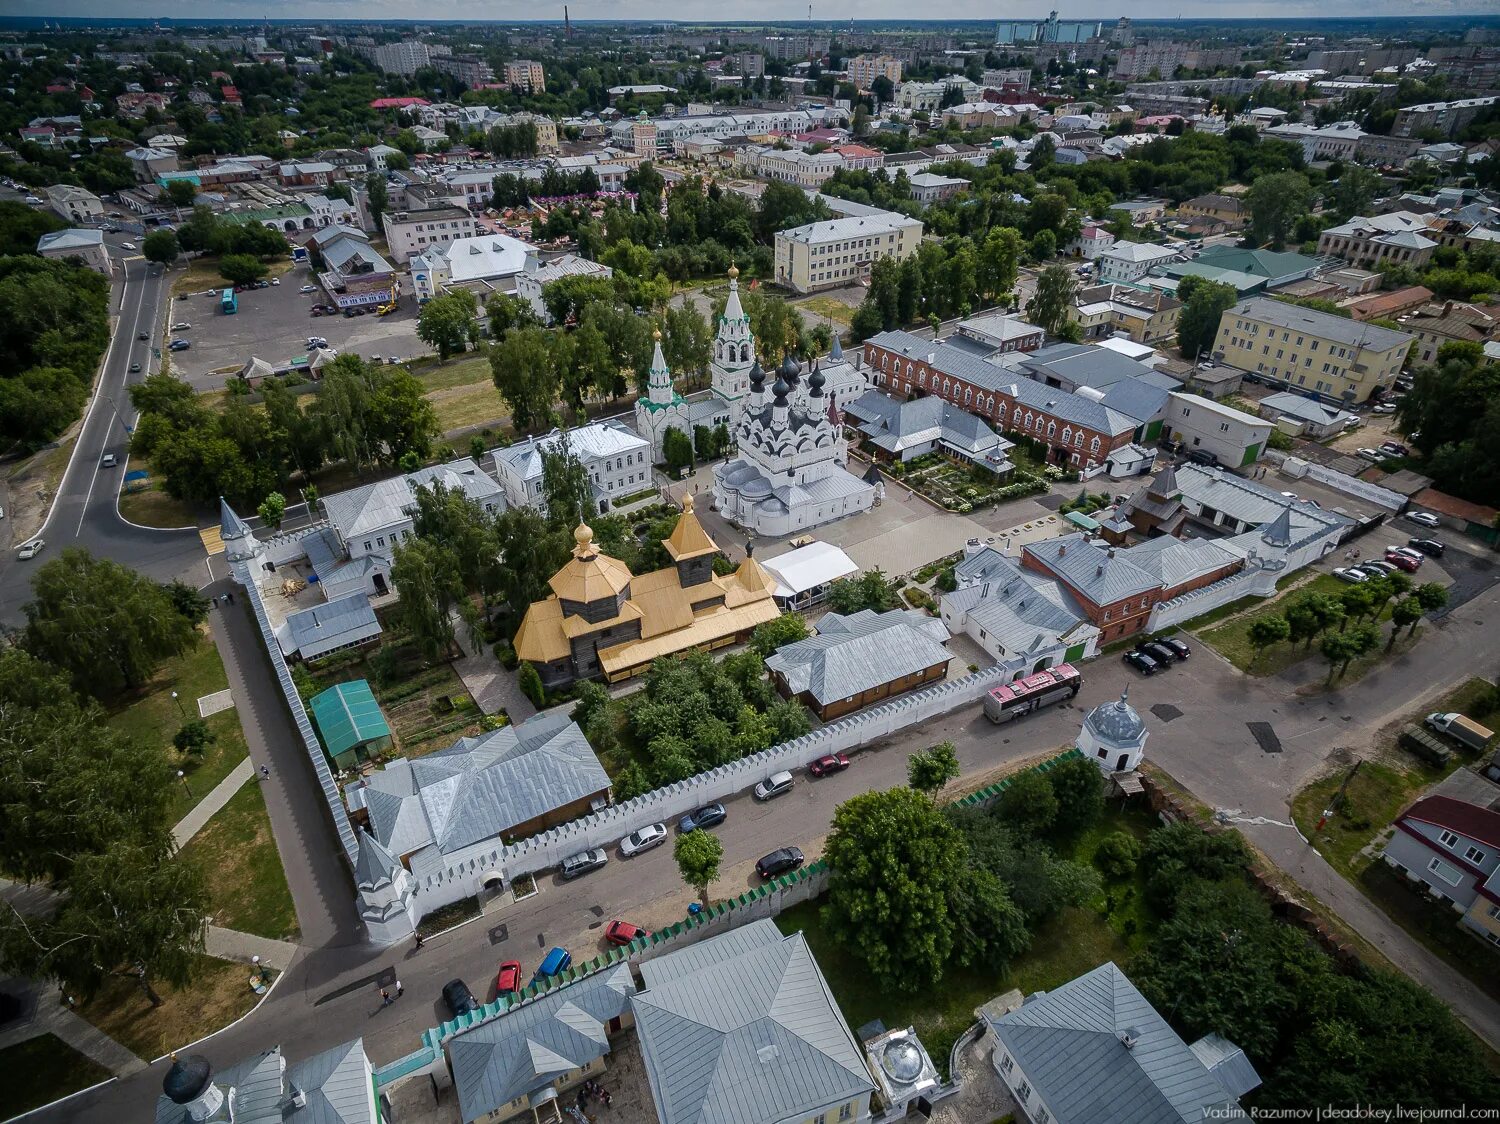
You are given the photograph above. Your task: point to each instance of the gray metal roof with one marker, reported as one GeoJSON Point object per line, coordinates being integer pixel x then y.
{"type": "Point", "coordinates": [530, 1046]}
{"type": "Point", "coordinates": [1306, 409]}
{"type": "Point", "coordinates": [1247, 500]}
{"type": "Point", "coordinates": [1227, 1062]}
{"type": "Point", "coordinates": [855, 653]}
{"type": "Point", "coordinates": [478, 788]}
{"type": "Point", "coordinates": [322, 628]}
{"type": "Point", "coordinates": [374, 507]}
{"type": "Point", "coordinates": [337, 1083]}
{"type": "Point", "coordinates": [742, 1029]}
{"type": "Point", "coordinates": [897, 426]}
{"type": "Point", "coordinates": [1325, 325]}
{"type": "Point", "coordinates": [1071, 1046]}
{"type": "Point", "coordinates": [1083, 364]}
{"type": "Point", "coordinates": [1101, 574]}
{"type": "Point", "coordinates": [1022, 611]}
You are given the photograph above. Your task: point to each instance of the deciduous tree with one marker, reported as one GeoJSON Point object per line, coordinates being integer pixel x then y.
{"type": "Point", "coordinates": [698, 855]}
{"type": "Point", "coordinates": [929, 770]}
{"type": "Point", "coordinates": [447, 322]}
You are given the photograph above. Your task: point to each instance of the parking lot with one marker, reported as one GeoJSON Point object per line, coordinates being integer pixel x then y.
{"type": "Point", "coordinates": [273, 324]}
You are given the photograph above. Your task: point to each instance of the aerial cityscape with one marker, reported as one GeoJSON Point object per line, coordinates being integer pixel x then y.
{"type": "Point", "coordinates": [611, 565]}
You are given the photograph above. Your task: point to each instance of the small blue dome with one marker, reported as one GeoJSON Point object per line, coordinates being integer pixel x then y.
{"type": "Point", "coordinates": [1116, 722]}
{"type": "Point", "coordinates": [186, 1080]}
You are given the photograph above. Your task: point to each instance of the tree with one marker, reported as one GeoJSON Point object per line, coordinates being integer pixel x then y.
{"type": "Point", "coordinates": [106, 625]}
{"type": "Point", "coordinates": [191, 605]}
{"type": "Point", "coordinates": [1355, 190]}
{"type": "Point", "coordinates": [895, 862]}
{"type": "Point", "coordinates": [375, 414]}
{"type": "Point", "coordinates": [131, 911]}
{"type": "Point", "coordinates": [1078, 787]}
{"type": "Point", "coordinates": [193, 737]}
{"type": "Point", "coordinates": [1404, 614]}
{"type": "Point", "coordinates": [1276, 201]}
{"type": "Point", "coordinates": [1053, 301]}
{"type": "Point", "coordinates": [522, 368]}
{"type": "Point", "coordinates": [1204, 302]}
{"type": "Point", "coordinates": [999, 263]}
{"type": "Point", "coordinates": [241, 269]}
{"type": "Point", "coordinates": [21, 227]}
{"type": "Point", "coordinates": [181, 193]}
{"type": "Point", "coordinates": [447, 322]}
{"type": "Point", "coordinates": [1181, 852]}
{"type": "Point", "coordinates": [1340, 649]}
{"type": "Point", "coordinates": [507, 311]}
{"type": "Point", "coordinates": [1028, 803]}
{"type": "Point", "coordinates": [778, 633]}
{"type": "Point", "coordinates": [871, 590]}
{"type": "Point", "coordinates": [677, 450]}
{"type": "Point", "coordinates": [929, 770]}
{"type": "Point", "coordinates": [1043, 151]}
{"type": "Point", "coordinates": [1431, 597]}
{"type": "Point", "coordinates": [376, 196]}
{"type": "Point", "coordinates": [432, 589]}
{"type": "Point", "coordinates": [272, 509]}
{"type": "Point", "coordinates": [1266, 631]}
{"type": "Point", "coordinates": [883, 89]}
{"type": "Point", "coordinates": [1117, 855]}
{"type": "Point", "coordinates": [698, 854]}
{"type": "Point", "coordinates": [161, 246]}
{"type": "Point", "coordinates": [529, 680]}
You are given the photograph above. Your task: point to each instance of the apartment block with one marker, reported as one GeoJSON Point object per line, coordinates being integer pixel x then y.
{"type": "Point", "coordinates": [864, 69]}
{"type": "Point", "coordinates": [405, 57]}
{"type": "Point", "coordinates": [825, 255]}
{"type": "Point", "coordinates": [411, 232]}
{"type": "Point", "coordinates": [525, 75]}
{"type": "Point", "coordinates": [1331, 356]}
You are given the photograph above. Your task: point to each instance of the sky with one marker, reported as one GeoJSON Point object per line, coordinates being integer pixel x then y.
{"type": "Point", "coordinates": [502, 10]}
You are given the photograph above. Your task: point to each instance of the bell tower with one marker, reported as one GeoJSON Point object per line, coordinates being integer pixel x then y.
{"type": "Point", "coordinates": [734, 349]}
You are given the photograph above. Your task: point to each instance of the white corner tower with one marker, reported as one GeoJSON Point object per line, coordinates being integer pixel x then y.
{"type": "Point", "coordinates": [1114, 737]}
{"type": "Point", "coordinates": [387, 903]}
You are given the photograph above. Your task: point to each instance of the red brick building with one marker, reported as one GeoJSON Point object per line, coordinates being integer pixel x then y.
{"type": "Point", "coordinates": [1078, 431]}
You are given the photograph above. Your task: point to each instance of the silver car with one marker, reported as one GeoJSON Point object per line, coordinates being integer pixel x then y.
{"type": "Point", "coordinates": [652, 835]}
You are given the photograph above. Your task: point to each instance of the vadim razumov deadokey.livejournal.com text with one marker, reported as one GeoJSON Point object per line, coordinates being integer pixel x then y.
{"type": "Point", "coordinates": [1357, 1112]}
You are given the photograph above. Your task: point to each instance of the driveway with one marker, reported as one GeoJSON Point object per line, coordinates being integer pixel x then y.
{"type": "Point", "coordinates": [273, 324]}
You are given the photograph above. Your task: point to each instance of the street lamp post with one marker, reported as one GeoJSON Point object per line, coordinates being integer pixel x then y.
{"type": "Point", "coordinates": [180, 709]}
{"type": "Point", "coordinates": [185, 787]}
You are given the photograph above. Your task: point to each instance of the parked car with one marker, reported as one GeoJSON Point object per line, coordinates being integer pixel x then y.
{"type": "Point", "coordinates": [779, 862]}
{"type": "Point", "coordinates": [1158, 652]}
{"type": "Point", "coordinates": [828, 763]}
{"type": "Point", "coordinates": [706, 816]}
{"type": "Point", "coordinates": [1384, 408]}
{"type": "Point", "coordinates": [182, 326]}
{"type": "Point", "coordinates": [652, 835]}
{"type": "Point", "coordinates": [31, 549]}
{"type": "Point", "coordinates": [1141, 662]}
{"type": "Point", "coordinates": [1350, 574]}
{"type": "Point", "coordinates": [107, 461]}
{"type": "Point", "coordinates": [557, 960]}
{"type": "Point", "coordinates": [262, 284]}
{"type": "Point", "coordinates": [1408, 552]}
{"type": "Point", "coordinates": [127, 245]}
{"type": "Point", "coordinates": [275, 281]}
{"type": "Point", "coordinates": [623, 932]}
{"type": "Point", "coordinates": [1177, 647]}
{"type": "Point", "coordinates": [1394, 448]}
{"type": "Point", "coordinates": [1372, 454]}
{"type": "Point", "coordinates": [179, 345]}
{"type": "Point", "coordinates": [1376, 568]}
{"type": "Point", "coordinates": [135, 368]}
{"type": "Point", "coordinates": [1403, 561]}
{"type": "Point", "coordinates": [1430, 547]}
{"type": "Point", "coordinates": [459, 998]}
{"type": "Point", "coordinates": [308, 289]}
{"type": "Point", "coordinates": [509, 978]}
{"type": "Point", "coordinates": [773, 786]}
{"type": "Point", "coordinates": [1202, 456]}
{"type": "Point", "coordinates": [1423, 518]}
{"type": "Point", "coordinates": [582, 863]}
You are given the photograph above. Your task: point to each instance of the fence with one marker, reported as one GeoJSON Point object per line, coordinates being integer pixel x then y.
{"type": "Point", "coordinates": [1257, 581]}
{"type": "Point", "coordinates": [767, 901]}
{"type": "Point", "coordinates": [465, 869]}
{"type": "Point", "coordinates": [1343, 482]}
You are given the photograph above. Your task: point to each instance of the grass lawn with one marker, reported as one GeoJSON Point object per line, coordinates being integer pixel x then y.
{"type": "Point", "coordinates": [460, 407]}
{"type": "Point", "coordinates": [152, 716]}
{"type": "Point", "coordinates": [1373, 799]}
{"type": "Point", "coordinates": [246, 884]}
{"type": "Point", "coordinates": [1232, 639]}
{"type": "Point", "coordinates": [1065, 947]}
{"type": "Point", "coordinates": [464, 371]}
{"type": "Point", "coordinates": [203, 273]}
{"type": "Point", "coordinates": [219, 995]}
{"type": "Point", "coordinates": [42, 1069]}
{"type": "Point", "coordinates": [152, 507]}
{"type": "Point", "coordinates": [829, 307]}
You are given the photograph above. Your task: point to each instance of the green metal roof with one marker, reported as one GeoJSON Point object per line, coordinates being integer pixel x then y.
{"type": "Point", "coordinates": [1079, 519]}
{"type": "Point", "coordinates": [348, 715]}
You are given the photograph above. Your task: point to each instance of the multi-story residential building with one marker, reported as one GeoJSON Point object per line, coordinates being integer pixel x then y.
{"type": "Point", "coordinates": [750, 64]}
{"type": "Point", "coordinates": [1449, 322]}
{"type": "Point", "coordinates": [410, 232]}
{"type": "Point", "coordinates": [1446, 117]}
{"type": "Point", "coordinates": [1125, 262]}
{"type": "Point", "coordinates": [74, 204]}
{"type": "Point", "coordinates": [525, 75]}
{"type": "Point", "coordinates": [825, 255]}
{"type": "Point", "coordinates": [84, 245]}
{"type": "Point", "coordinates": [1332, 356]}
{"type": "Point", "coordinates": [1163, 56]}
{"type": "Point", "coordinates": [864, 69]}
{"type": "Point", "coordinates": [1145, 315]}
{"type": "Point", "coordinates": [1369, 242]}
{"type": "Point", "coordinates": [1079, 430]}
{"type": "Point", "coordinates": [669, 131]}
{"type": "Point", "coordinates": [789, 165]}
{"type": "Point", "coordinates": [468, 69]}
{"type": "Point", "coordinates": [1228, 209]}
{"type": "Point", "coordinates": [405, 57]}
{"type": "Point", "coordinates": [618, 463]}
{"type": "Point", "coordinates": [1322, 142]}
{"type": "Point", "coordinates": [1452, 848]}
{"type": "Point", "coordinates": [1093, 239]}
{"type": "Point", "coordinates": [1232, 437]}
{"type": "Point", "coordinates": [1376, 148]}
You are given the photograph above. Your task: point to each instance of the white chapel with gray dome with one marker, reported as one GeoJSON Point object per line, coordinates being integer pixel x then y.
{"type": "Point", "coordinates": [1114, 737]}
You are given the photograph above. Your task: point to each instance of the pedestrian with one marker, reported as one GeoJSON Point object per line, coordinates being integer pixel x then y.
{"type": "Point", "coordinates": [265, 773]}
{"type": "Point", "coordinates": [385, 998]}
{"type": "Point", "coordinates": [419, 940]}
{"type": "Point", "coordinates": [609, 1099]}
{"type": "Point", "coordinates": [400, 989]}
{"type": "Point", "coordinates": [229, 596]}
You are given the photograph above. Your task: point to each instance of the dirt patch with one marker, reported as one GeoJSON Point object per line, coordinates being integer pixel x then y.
{"type": "Point", "coordinates": [30, 486]}
{"type": "Point", "coordinates": [219, 995]}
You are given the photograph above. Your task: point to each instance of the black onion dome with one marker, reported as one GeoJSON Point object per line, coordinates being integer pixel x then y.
{"type": "Point", "coordinates": [757, 376]}
{"type": "Point", "coordinates": [779, 390]}
{"type": "Point", "coordinates": [815, 382]}
{"type": "Point", "coordinates": [186, 1080]}
{"type": "Point", "coordinates": [790, 368]}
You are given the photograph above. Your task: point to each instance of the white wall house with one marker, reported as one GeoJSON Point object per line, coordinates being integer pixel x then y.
{"type": "Point", "coordinates": [1235, 438]}
{"type": "Point", "coordinates": [1125, 262]}
{"type": "Point", "coordinates": [618, 463]}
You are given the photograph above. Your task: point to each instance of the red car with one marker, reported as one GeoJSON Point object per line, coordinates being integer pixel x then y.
{"type": "Point", "coordinates": [623, 932]}
{"type": "Point", "coordinates": [829, 763]}
{"type": "Point", "coordinates": [1403, 561]}
{"type": "Point", "coordinates": [509, 978]}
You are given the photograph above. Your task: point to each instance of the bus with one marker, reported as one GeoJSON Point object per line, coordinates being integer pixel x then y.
{"type": "Point", "coordinates": [228, 303]}
{"type": "Point", "coordinates": [1031, 692]}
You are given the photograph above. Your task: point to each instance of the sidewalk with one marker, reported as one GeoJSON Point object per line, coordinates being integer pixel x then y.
{"type": "Point", "coordinates": [231, 944]}
{"type": "Point", "coordinates": [192, 823]}
{"type": "Point", "coordinates": [51, 1017]}
{"type": "Point", "coordinates": [493, 688]}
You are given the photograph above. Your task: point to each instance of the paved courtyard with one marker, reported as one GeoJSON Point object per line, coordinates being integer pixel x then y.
{"type": "Point", "coordinates": [273, 324]}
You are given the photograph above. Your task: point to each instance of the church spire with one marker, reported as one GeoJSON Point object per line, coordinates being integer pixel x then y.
{"type": "Point", "coordinates": [659, 378]}
{"type": "Point", "coordinates": [732, 309]}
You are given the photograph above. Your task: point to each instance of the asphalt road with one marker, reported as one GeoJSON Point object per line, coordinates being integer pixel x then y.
{"type": "Point", "coordinates": [84, 512]}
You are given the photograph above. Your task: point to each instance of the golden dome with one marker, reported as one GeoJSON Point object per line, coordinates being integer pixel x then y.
{"type": "Point", "coordinates": [656, 334]}
{"type": "Point", "coordinates": [734, 271]}
{"type": "Point", "coordinates": [583, 535]}
{"type": "Point", "coordinates": [687, 503]}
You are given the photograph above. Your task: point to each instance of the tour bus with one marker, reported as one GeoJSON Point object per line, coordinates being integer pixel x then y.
{"type": "Point", "coordinates": [1032, 692]}
{"type": "Point", "coordinates": [228, 303]}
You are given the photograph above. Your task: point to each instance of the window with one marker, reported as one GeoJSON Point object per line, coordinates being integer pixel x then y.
{"type": "Point", "coordinates": [1475, 855]}
{"type": "Point", "coordinates": [846, 1112]}
{"type": "Point", "coordinates": [1007, 1063]}
{"type": "Point", "coordinates": [1448, 839]}
{"type": "Point", "coordinates": [1446, 871]}
{"type": "Point", "coordinates": [1494, 913]}
{"type": "Point", "coordinates": [367, 545]}
{"type": "Point", "coordinates": [1023, 1091]}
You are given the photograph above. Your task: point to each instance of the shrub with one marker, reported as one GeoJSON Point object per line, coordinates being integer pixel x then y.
{"type": "Point", "coordinates": [530, 682]}
{"type": "Point", "coordinates": [1117, 855]}
{"type": "Point", "coordinates": [506, 655]}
